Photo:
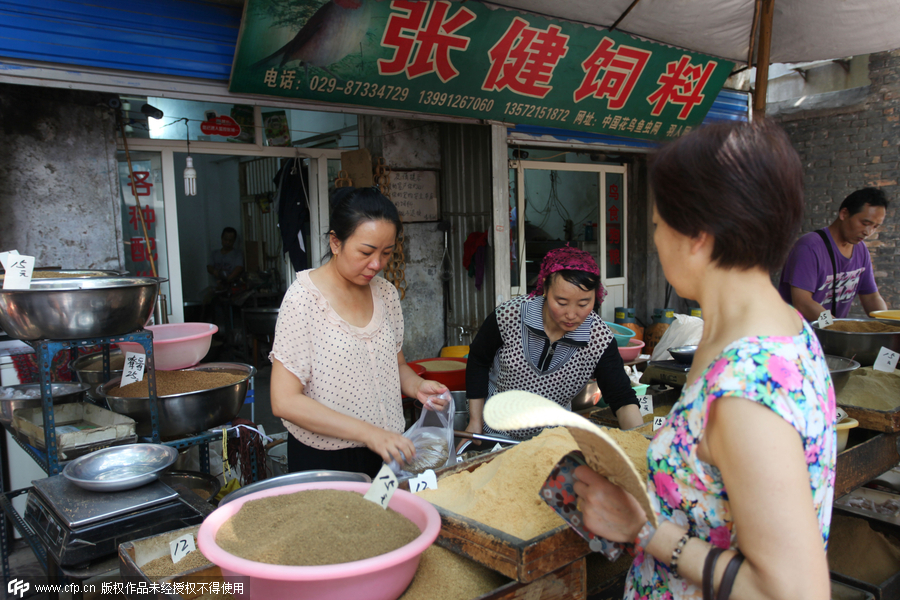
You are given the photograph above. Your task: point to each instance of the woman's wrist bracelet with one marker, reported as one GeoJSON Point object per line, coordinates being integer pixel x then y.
{"type": "Point", "coordinates": [644, 536]}
{"type": "Point", "coordinates": [676, 553]}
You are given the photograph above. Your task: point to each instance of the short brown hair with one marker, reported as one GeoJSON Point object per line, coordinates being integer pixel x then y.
{"type": "Point", "coordinates": [740, 182]}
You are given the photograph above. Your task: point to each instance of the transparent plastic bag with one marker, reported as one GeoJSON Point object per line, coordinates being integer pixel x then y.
{"type": "Point", "coordinates": [432, 435]}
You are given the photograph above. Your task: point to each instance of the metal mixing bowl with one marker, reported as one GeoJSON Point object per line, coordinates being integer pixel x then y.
{"type": "Point", "coordinates": [192, 412]}
{"type": "Point", "coordinates": [120, 467]}
{"type": "Point", "coordinates": [71, 308]}
{"type": "Point", "coordinates": [291, 479]}
{"type": "Point", "coordinates": [840, 368]}
{"type": "Point", "coordinates": [63, 393]}
{"type": "Point", "coordinates": [683, 354]}
{"type": "Point", "coordinates": [861, 347]}
{"type": "Point", "coordinates": [89, 369]}
{"type": "Point", "coordinates": [204, 485]}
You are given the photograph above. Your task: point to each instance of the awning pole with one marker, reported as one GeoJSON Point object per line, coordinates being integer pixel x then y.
{"type": "Point", "coordinates": [762, 58]}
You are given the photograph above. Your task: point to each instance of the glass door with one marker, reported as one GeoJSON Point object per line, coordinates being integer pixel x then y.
{"type": "Point", "coordinates": [580, 205]}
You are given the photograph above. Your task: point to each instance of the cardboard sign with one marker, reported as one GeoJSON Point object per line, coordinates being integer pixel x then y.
{"type": "Point", "coordinates": [134, 368]}
{"type": "Point", "coordinates": [383, 487]}
{"type": "Point", "coordinates": [887, 360]}
{"type": "Point", "coordinates": [425, 481]}
{"type": "Point", "coordinates": [181, 547]}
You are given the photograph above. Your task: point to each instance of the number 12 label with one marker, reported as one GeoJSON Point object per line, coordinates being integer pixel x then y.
{"type": "Point", "coordinates": [181, 547]}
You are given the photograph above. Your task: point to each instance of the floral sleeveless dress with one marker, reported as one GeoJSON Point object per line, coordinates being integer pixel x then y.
{"type": "Point", "coordinates": [787, 375]}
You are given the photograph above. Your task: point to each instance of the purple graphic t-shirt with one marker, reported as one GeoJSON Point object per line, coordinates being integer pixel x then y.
{"type": "Point", "coordinates": [808, 267]}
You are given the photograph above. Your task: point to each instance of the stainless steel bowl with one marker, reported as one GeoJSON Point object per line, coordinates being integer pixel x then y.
{"type": "Point", "coordinates": [861, 347]}
{"type": "Point", "coordinates": [840, 369]}
{"type": "Point", "coordinates": [89, 369]}
{"type": "Point", "coordinates": [683, 354]}
{"type": "Point", "coordinates": [183, 414]}
{"type": "Point", "coordinates": [204, 485]}
{"type": "Point", "coordinates": [292, 478]}
{"type": "Point", "coordinates": [120, 467]}
{"type": "Point", "coordinates": [66, 309]}
{"type": "Point", "coordinates": [63, 393]}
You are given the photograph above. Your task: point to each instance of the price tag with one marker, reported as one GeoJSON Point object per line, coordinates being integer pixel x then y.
{"type": "Point", "coordinates": [425, 481]}
{"type": "Point", "coordinates": [181, 547]}
{"type": "Point", "coordinates": [658, 422]}
{"type": "Point", "coordinates": [825, 319]}
{"type": "Point", "coordinates": [134, 368]}
{"type": "Point", "coordinates": [646, 405]}
{"type": "Point", "coordinates": [382, 488]}
{"type": "Point", "coordinates": [886, 361]}
{"type": "Point", "coordinates": [497, 447]}
{"type": "Point", "coordinates": [19, 269]}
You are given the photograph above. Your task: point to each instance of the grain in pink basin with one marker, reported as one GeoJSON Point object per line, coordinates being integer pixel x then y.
{"type": "Point", "coordinates": [383, 577]}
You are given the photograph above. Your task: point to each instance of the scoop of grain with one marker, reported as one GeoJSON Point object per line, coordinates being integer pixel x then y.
{"type": "Point", "coordinates": [314, 527]}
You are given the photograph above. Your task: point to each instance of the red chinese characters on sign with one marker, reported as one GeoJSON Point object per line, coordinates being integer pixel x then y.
{"type": "Point", "coordinates": [615, 256]}
{"type": "Point", "coordinates": [420, 47]}
{"type": "Point", "coordinates": [222, 125]}
{"type": "Point", "coordinates": [524, 59]}
{"type": "Point", "coordinates": [621, 68]}
{"type": "Point", "coordinates": [141, 185]}
{"type": "Point", "coordinates": [135, 221]}
{"type": "Point", "coordinates": [613, 214]}
{"type": "Point", "coordinates": [683, 84]}
{"type": "Point", "coordinates": [139, 249]}
{"type": "Point", "coordinates": [613, 235]}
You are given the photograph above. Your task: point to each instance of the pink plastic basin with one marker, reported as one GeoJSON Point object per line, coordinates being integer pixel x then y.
{"type": "Point", "coordinates": [632, 350]}
{"type": "Point", "coordinates": [176, 345]}
{"type": "Point", "coordinates": [383, 577]}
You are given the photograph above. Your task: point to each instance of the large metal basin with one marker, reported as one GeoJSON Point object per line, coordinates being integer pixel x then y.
{"type": "Point", "coordinates": [861, 347]}
{"type": "Point", "coordinates": [63, 393]}
{"type": "Point", "coordinates": [184, 414]}
{"type": "Point", "coordinates": [72, 308]}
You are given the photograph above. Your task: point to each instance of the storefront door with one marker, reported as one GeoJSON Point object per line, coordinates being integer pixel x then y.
{"type": "Point", "coordinates": [581, 205]}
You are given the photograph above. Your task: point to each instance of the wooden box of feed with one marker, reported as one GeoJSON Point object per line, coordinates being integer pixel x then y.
{"type": "Point", "coordinates": [864, 552]}
{"type": "Point", "coordinates": [81, 428]}
{"type": "Point", "coordinates": [491, 509]}
{"type": "Point", "coordinates": [449, 576]}
{"type": "Point", "coordinates": [147, 561]}
{"type": "Point", "coordinates": [872, 398]}
{"type": "Point", "coordinates": [868, 455]}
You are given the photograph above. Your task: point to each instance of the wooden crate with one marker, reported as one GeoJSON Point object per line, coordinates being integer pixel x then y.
{"type": "Point", "coordinates": [888, 589]}
{"type": "Point", "coordinates": [137, 553]}
{"type": "Point", "coordinates": [522, 560]}
{"type": "Point", "coordinates": [567, 583]}
{"type": "Point", "coordinates": [868, 455]}
{"type": "Point", "coordinates": [877, 420]}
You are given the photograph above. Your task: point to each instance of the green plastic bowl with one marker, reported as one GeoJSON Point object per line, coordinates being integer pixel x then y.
{"type": "Point", "coordinates": [623, 334]}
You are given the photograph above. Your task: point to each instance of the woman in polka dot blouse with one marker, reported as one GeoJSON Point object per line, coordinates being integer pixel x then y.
{"type": "Point", "coordinates": [550, 343]}
{"type": "Point", "coordinates": [338, 370]}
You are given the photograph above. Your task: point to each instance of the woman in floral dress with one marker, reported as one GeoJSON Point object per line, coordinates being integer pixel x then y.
{"type": "Point", "coordinates": [741, 476]}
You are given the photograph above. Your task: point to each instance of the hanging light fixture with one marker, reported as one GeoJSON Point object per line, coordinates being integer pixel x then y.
{"type": "Point", "coordinates": [190, 174]}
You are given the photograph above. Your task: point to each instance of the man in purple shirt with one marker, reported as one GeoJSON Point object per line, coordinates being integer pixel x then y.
{"type": "Point", "coordinates": [808, 279]}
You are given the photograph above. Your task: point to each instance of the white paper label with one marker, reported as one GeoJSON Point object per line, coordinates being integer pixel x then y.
{"type": "Point", "coordinates": [19, 269]}
{"type": "Point", "coordinates": [497, 447]}
{"type": "Point", "coordinates": [887, 360]}
{"type": "Point", "coordinates": [825, 319]}
{"type": "Point", "coordinates": [425, 481]}
{"type": "Point", "coordinates": [134, 368]}
{"type": "Point", "coordinates": [658, 422]}
{"type": "Point", "coordinates": [646, 405]}
{"type": "Point", "coordinates": [4, 257]}
{"type": "Point", "coordinates": [382, 488]}
{"type": "Point", "coordinates": [181, 547]}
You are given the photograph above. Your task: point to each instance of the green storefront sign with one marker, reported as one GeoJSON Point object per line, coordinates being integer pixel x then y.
{"type": "Point", "coordinates": [466, 59]}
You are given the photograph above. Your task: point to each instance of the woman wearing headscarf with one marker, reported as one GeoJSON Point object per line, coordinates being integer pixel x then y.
{"type": "Point", "coordinates": [550, 343]}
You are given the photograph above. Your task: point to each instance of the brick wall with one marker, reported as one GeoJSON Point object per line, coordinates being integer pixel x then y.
{"type": "Point", "coordinates": [844, 149]}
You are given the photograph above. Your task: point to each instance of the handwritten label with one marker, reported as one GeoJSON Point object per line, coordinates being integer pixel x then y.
{"type": "Point", "coordinates": [425, 481]}
{"type": "Point", "coordinates": [825, 319]}
{"type": "Point", "coordinates": [658, 422]}
{"type": "Point", "coordinates": [415, 193]}
{"type": "Point", "coordinates": [181, 547]}
{"type": "Point", "coordinates": [134, 368]}
{"type": "Point", "coordinates": [19, 269]}
{"type": "Point", "coordinates": [646, 405]}
{"type": "Point", "coordinates": [382, 488]}
{"type": "Point", "coordinates": [886, 361]}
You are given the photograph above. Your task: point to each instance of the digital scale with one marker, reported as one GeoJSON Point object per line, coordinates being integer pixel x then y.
{"type": "Point", "coordinates": [668, 372]}
{"type": "Point", "coordinates": [77, 526]}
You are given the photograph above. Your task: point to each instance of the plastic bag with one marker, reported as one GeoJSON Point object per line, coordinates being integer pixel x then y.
{"type": "Point", "coordinates": [432, 435]}
{"type": "Point", "coordinates": [684, 331]}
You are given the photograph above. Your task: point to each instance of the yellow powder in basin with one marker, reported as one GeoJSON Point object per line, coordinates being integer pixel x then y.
{"type": "Point", "coordinates": [505, 492]}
